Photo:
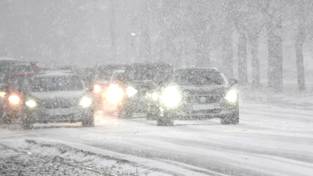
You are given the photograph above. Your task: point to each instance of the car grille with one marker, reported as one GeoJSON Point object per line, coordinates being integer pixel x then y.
{"type": "Point", "coordinates": [203, 99]}
{"type": "Point", "coordinates": [59, 103]}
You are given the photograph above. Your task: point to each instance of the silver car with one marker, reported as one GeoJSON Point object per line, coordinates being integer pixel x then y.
{"type": "Point", "coordinates": [53, 96]}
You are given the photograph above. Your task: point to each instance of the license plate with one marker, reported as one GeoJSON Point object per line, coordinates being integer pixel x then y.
{"type": "Point", "coordinates": [61, 112]}
{"type": "Point", "coordinates": [205, 106]}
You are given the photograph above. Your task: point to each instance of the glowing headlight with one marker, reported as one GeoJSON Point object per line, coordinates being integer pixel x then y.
{"type": "Point", "coordinates": [2, 94]}
{"type": "Point", "coordinates": [14, 100]}
{"type": "Point", "coordinates": [114, 94]}
{"type": "Point", "coordinates": [171, 97]}
{"type": "Point", "coordinates": [85, 102]}
{"type": "Point", "coordinates": [232, 96]}
{"type": "Point", "coordinates": [31, 103]}
{"type": "Point", "coordinates": [131, 91]}
{"type": "Point", "coordinates": [154, 96]}
{"type": "Point", "coordinates": [97, 89]}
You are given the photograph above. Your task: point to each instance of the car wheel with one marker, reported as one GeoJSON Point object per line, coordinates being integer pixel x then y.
{"type": "Point", "coordinates": [125, 113]}
{"type": "Point", "coordinates": [27, 123]}
{"type": "Point", "coordinates": [166, 120]}
{"type": "Point", "coordinates": [89, 122]}
{"type": "Point", "coordinates": [230, 119]}
{"type": "Point", "coordinates": [6, 119]}
{"type": "Point", "coordinates": [152, 113]}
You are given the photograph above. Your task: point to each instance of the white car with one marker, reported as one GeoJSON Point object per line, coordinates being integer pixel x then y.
{"type": "Point", "coordinates": [53, 96]}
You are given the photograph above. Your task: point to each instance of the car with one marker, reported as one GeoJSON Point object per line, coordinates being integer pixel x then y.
{"type": "Point", "coordinates": [50, 96]}
{"type": "Point", "coordinates": [139, 80]}
{"type": "Point", "coordinates": [11, 69]}
{"type": "Point", "coordinates": [101, 88]}
{"type": "Point", "coordinates": [197, 93]}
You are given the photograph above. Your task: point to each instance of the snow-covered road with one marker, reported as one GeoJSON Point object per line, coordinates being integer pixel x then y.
{"type": "Point", "coordinates": [270, 140]}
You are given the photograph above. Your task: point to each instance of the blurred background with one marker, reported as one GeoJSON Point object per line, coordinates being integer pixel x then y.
{"type": "Point", "coordinates": [257, 41]}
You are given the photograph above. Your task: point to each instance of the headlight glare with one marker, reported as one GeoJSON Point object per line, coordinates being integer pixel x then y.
{"type": "Point", "coordinates": [115, 94]}
{"type": "Point", "coordinates": [97, 89]}
{"type": "Point", "coordinates": [14, 100]}
{"type": "Point", "coordinates": [85, 102]}
{"type": "Point", "coordinates": [131, 91]}
{"type": "Point", "coordinates": [171, 97]}
{"type": "Point", "coordinates": [154, 96]}
{"type": "Point", "coordinates": [31, 103]}
{"type": "Point", "coordinates": [2, 94]}
{"type": "Point", "coordinates": [232, 96]}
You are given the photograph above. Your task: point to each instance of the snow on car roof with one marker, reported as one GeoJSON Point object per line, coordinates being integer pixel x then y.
{"type": "Point", "coordinates": [8, 59]}
{"type": "Point", "coordinates": [198, 68]}
{"type": "Point", "coordinates": [55, 73]}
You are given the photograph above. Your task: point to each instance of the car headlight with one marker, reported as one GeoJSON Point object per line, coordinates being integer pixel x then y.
{"type": "Point", "coordinates": [97, 89]}
{"type": "Point", "coordinates": [114, 94]}
{"type": "Point", "coordinates": [232, 96]}
{"type": "Point", "coordinates": [154, 96]}
{"type": "Point", "coordinates": [131, 91]}
{"type": "Point", "coordinates": [2, 94]}
{"type": "Point", "coordinates": [31, 103]}
{"type": "Point", "coordinates": [14, 100]}
{"type": "Point", "coordinates": [171, 97]}
{"type": "Point", "coordinates": [85, 102]}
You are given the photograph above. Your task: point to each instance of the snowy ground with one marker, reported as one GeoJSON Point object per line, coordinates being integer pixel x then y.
{"type": "Point", "coordinates": [270, 140]}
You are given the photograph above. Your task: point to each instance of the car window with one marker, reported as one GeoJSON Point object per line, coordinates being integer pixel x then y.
{"type": "Point", "coordinates": [56, 83]}
{"type": "Point", "coordinates": [199, 77]}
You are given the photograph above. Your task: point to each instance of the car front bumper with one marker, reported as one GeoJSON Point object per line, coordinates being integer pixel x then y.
{"type": "Point", "coordinates": [136, 105]}
{"type": "Point", "coordinates": [74, 114]}
{"type": "Point", "coordinates": [200, 111]}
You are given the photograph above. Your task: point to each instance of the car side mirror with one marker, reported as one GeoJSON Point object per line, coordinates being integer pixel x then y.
{"type": "Point", "coordinates": [233, 82]}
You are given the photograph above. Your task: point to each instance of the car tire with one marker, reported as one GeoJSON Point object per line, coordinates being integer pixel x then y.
{"type": "Point", "coordinates": [165, 122]}
{"type": "Point", "coordinates": [230, 119]}
{"type": "Point", "coordinates": [6, 119]}
{"type": "Point", "coordinates": [27, 123]}
{"type": "Point", "coordinates": [89, 122]}
{"type": "Point", "coordinates": [125, 114]}
{"type": "Point", "coordinates": [152, 113]}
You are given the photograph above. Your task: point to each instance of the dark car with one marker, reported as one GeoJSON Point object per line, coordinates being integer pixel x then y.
{"type": "Point", "coordinates": [52, 96]}
{"type": "Point", "coordinates": [198, 93]}
{"type": "Point", "coordinates": [10, 70]}
{"type": "Point", "coordinates": [139, 80]}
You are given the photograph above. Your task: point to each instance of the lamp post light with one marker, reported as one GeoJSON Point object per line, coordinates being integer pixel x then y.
{"type": "Point", "coordinates": [133, 49]}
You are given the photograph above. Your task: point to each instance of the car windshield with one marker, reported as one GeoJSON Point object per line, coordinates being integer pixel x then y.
{"type": "Point", "coordinates": [199, 77]}
{"type": "Point", "coordinates": [151, 73]}
{"type": "Point", "coordinates": [56, 83]}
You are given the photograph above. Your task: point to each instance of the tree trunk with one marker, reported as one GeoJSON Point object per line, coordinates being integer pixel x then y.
{"type": "Point", "coordinates": [300, 38]}
{"type": "Point", "coordinates": [255, 63]}
{"type": "Point", "coordinates": [242, 59]}
{"type": "Point", "coordinates": [227, 55]}
{"type": "Point", "coordinates": [203, 52]}
{"type": "Point", "coordinates": [275, 56]}
{"type": "Point", "coordinates": [112, 30]}
{"type": "Point", "coordinates": [145, 44]}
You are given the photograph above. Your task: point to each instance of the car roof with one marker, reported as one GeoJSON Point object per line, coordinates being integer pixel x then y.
{"type": "Point", "coordinates": [197, 68]}
{"type": "Point", "coordinates": [8, 59]}
{"type": "Point", "coordinates": [55, 73]}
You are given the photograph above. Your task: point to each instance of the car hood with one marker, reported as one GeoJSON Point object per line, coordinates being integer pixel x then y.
{"type": "Point", "coordinates": [58, 94]}
{"type": "Point", "coordinates": [147, 84]}
{"type": "Point", "coordinates": [209, 89]}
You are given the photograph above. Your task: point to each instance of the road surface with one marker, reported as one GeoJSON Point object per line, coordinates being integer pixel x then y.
{"type": "Point", "coordinates": [270, 140]}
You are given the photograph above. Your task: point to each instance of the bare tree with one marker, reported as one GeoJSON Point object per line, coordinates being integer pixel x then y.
{"type": "Point", "coordinates": [303, 10]}
{"type": "Point", "coordinates": [227, 40]}
{"type": "Point", "coordinates": [145, 38]}
{"type": "Point", "coordinates": [113, 28]}
{"type": "Point", "coordinates": [272, 11]}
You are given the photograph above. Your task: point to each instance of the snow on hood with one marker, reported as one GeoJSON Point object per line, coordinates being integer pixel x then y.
{"type": "Point", "coordinates": [204, 88]}
{"type": "Point", "coordinates": [58, 94]}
